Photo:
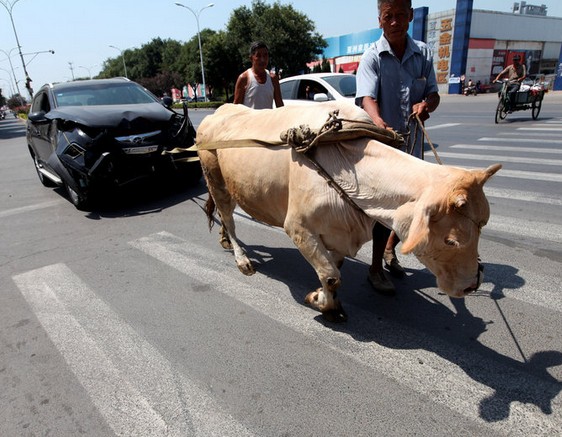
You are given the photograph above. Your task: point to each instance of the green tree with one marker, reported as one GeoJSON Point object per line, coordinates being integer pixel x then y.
{"type": "Point", "coordinates": [290, 35]}
{"type": "Point", "coordinates": [222, 64]}
{"type": "Point", "coordinates": [162, 82]}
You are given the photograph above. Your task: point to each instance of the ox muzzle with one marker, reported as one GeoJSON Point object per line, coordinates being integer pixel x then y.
{"type": "Point", "coordinates": [479, 279]}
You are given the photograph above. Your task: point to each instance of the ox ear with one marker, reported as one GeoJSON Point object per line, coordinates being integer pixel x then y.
{"type": "Point", "coordinates": [418, 234]}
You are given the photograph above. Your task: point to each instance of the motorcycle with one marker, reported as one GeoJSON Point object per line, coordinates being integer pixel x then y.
{"type": "Point", "coordinates": [470, 89]}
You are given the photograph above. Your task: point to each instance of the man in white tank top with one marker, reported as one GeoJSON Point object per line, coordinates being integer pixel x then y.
{"type": "Point", "coordinates": [256, 87]}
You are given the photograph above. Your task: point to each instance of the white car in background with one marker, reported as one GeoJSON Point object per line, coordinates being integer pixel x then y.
{"type": "Point", "coordinates": [322, 87]}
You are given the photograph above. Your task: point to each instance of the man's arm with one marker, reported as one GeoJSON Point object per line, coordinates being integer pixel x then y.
{"type": "Point", "coordinates": [430, 104]}
{"type": "Point", "coordinates": [505, 70]}
{"type": "Point", "coordinates": [240, 88]}
{"type": "Point", "coordinates": [277, 97]}
{"type": "Point", "coordinates": [371, 107]}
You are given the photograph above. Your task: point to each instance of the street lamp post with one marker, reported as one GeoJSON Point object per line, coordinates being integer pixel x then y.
{"type": "Point", "coordinates": [8, 55]}
{"type": "Point", "coordinates": [9, 6]}
{"type": "Point", "coordinates": [123, 57]}
{"type": "Point", "coordinates": [88, 69]}
{"type": "Point", "coordinates": [196, 14]}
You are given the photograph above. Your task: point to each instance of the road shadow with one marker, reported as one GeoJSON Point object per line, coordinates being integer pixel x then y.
{"type": "Point", "coordinates": [151, 196]}
{"type": "Point", "coordinates": [415, 319]}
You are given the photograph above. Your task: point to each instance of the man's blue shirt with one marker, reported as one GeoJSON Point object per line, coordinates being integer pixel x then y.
{"type": "Point", "coordinates": [396, 85]}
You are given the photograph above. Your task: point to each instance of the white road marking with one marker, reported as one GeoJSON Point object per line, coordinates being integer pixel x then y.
{"type": "Point", "coordinates": [441, 380]}
{"type": "Point", "coordinates": [23, 209]}
{"type": "Point", "coordinates": [132, 385]}
{"type": "Point", "coordinates": [441, 126]}
{"type": "Point", "coordinates": [524, 196]}
{"type": "Point", "coordinates": [521, 140]}
{"type": "Point", "coordinates": [541, 129]}
{"type": "Point", "coordinates": [502, 158]}
{"type": "Point", "coordinates": [506, 149]}
{"type": "Point", "coordinates": [533, 228]}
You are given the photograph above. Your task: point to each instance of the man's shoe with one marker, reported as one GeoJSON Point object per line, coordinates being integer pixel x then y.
{"type": "Point", "coordinates": [381, 284]}
{"type": "Point", "coordinates": [392, 264]}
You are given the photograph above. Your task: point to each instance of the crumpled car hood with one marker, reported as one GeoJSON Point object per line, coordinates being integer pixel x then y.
{"type": "Point", "coordinates": [114, 117]}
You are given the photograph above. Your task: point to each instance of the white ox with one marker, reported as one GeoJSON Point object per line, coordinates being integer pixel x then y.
{"type": "Point", "coordinates": [436, 210]}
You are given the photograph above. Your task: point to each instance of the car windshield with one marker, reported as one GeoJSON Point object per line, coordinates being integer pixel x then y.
{"type": "Point", "coordinates": [103, 94]}
{"type": "Point", "coordinates": [344, 84]}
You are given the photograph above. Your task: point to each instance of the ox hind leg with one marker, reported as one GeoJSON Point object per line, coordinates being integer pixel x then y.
{"type": "Point", "coordinates": [326, 264]}
{"type": "Point", "coordinates": [220, 198]}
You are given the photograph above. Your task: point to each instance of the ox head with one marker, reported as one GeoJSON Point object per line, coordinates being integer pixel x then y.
{"type": "Point", "coordinates": [445, 229]}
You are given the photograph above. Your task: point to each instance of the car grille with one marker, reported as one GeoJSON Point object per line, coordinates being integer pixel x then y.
{"type": "Point", "coordinates": [139, 144]}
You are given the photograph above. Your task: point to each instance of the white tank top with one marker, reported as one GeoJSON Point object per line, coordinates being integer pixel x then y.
{"type": "Point", "coordinates": [259, 95]}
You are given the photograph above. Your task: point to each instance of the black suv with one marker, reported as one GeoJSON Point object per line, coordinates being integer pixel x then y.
{"type": "Point", "coordinates": [89, 136]}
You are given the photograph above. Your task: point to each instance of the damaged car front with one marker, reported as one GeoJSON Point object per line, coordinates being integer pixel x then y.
{"type": "Point", "coordinates": [101, 134]}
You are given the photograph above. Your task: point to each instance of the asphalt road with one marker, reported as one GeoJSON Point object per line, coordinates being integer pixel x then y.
{"type": "Point", "coordinates": [131, 319]}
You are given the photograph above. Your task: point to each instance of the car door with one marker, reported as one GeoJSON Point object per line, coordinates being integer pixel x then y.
{"type": "Point", "coordinates": [39, 128]}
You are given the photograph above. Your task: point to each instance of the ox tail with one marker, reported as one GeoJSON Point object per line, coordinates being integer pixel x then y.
{"type": "Point", "coordinates": [210, 209]}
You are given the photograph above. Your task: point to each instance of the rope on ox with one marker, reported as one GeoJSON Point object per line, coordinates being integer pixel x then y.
{"type": "Point", "coordinates": [303, 139]}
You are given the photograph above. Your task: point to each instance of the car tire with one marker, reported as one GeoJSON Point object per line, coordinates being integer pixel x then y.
{"type": "Point", "coordinates": [78, 200]}
{"type": "Point", "coordinates": [45, 181]}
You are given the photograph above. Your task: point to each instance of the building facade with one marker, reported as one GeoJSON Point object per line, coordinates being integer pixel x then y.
{"type": "Point", "coordinates": [476, 44]}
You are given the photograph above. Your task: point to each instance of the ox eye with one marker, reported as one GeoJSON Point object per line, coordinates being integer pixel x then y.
{"type": "Point", "coordinates": [451, 242]}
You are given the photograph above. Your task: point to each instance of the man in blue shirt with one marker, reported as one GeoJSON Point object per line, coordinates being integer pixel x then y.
{"type": "Point", "coordinates": [395, 79]}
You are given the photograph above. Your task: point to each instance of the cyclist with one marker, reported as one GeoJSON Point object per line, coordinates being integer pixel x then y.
{"type": "Point", "coordinates": [515, 72]}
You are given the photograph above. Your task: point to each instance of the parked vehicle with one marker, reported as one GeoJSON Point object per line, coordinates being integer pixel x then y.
{"type": "Point", "coordinates": [307, 89]}
{"type": "Point", "coordinates": [93, 135]}
{"type": "Point", "coordinates": [528, 97]}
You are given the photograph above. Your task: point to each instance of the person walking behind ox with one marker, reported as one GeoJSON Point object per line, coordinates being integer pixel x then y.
{"type": "Point", "coordinates": [395, 78]}
{"type": "Point", "coordinates": [256, 87]}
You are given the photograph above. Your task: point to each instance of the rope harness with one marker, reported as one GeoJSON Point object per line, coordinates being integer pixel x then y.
{"type": "Point", "coordinates": [303, 140]}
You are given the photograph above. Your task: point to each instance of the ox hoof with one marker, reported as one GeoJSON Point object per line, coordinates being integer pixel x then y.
{"type": "Point", "coordinates": [336, 315]}
{"type": "Point", "coordinates": [247, 268]}
{"type": "Point", "coordinates": [225, 243]}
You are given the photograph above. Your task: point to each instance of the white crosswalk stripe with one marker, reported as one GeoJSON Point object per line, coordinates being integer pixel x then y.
{"type": "Point", "coordinates": [502, 158]}
{"type": "Point", "coordinates": [133, 386]}
{"type": "Point", "coordinates": [440, 377]}
{"type": "Point", "coordinates": [521, 140]}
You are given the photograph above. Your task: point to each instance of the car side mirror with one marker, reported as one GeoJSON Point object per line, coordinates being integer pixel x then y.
{"type": "Point", "coordinates": [321, 97]}
{"type": "Point", "coordinates": [167, 101]}
{"type": "Point", "coordinates": [38, 117]}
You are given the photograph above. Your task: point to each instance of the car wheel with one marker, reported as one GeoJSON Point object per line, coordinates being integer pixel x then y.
{"type": "Point", "coordinates": [78, 200]}
{"type": "Point", "coordinates": [42, 178]}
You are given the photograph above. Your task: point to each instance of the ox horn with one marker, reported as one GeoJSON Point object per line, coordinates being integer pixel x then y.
{"type": "Point", "coordinates": [489, 172]}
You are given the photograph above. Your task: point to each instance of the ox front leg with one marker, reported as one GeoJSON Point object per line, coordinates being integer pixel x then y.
{"type": "Point", "coordinates": [324, 299]}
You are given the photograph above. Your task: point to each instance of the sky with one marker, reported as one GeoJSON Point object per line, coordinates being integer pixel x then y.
{"type": "Point", "coordinates": [81, 31]}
